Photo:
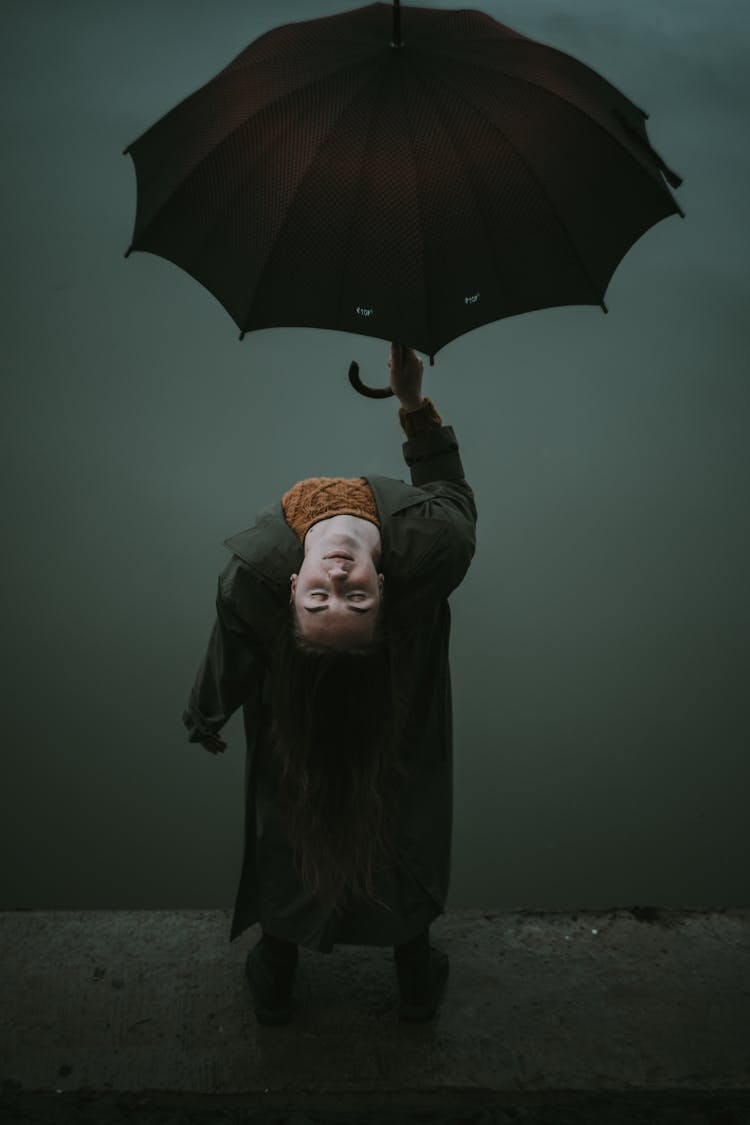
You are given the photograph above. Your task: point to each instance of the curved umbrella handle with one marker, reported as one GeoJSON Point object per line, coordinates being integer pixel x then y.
{"type": "Point", "coordinates": [370, 392]}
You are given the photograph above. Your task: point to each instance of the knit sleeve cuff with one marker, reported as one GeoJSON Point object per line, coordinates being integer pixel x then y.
{"type": "Point", "coordinates": [417, 421]}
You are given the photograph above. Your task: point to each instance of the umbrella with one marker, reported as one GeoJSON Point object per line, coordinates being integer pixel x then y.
{"type": "Point", "coordinates": [403, 173]}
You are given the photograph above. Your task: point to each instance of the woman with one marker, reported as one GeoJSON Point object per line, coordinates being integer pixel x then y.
{"type": "Point", "coordinates": [332, 634]}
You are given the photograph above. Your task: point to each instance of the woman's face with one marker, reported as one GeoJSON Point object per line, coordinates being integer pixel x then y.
{"type": "Point", "coordinates": [336, 598]}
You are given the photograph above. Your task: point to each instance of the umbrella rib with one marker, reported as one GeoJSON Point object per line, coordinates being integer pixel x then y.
{"type": "Point", "coordinates": [617, 93]}
{"type": "Point", "coordinates": [593, 120]}
{"type": "Point", "coordinates": [362, 90]}
{"type": "Point", "coordinates": [461, 161]}
{"type": "Point", "coordinates": [224, 75]}
{"type": "Point", "coordinates": [360, 179]}
{"type": "Point", "coordinates": [428, 317]}
{"type": "Point", "coordinates": [532, 174]}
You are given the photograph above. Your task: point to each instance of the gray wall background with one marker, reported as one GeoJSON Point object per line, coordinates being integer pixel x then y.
{"type": "Point", "coordinates": [600, 640]}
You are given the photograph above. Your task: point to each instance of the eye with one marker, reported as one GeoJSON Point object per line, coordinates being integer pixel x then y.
{"type": "Point", "coordinates": [322, 594]}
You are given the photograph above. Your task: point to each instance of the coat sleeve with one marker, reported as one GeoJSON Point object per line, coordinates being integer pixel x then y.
{"type": "Point", "coordinates": [228, 670]}
{"type": "Point", "coordinates": [435, 463]}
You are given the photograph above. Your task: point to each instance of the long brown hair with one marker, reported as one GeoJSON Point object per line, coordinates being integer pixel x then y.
{"type": "Point", "coordinates": [334, 739]}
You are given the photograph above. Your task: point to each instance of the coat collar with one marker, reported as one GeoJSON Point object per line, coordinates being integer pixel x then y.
{"type": "Point", "coordinates": [271, 547]}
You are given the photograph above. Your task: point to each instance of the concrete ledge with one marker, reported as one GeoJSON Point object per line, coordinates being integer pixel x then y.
{"type": "Point", "coordinates": [449, 1108]}
{"type": "Point", "coordinates": [540, 1007]}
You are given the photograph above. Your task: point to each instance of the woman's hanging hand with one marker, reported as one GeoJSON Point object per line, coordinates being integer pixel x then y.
{"type": "Point", "coordinates": [406, 376]}
{"type": "Point", "coordinates": [214, 743]}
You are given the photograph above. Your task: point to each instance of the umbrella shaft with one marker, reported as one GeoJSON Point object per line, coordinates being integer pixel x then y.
{"type": "Point", "coordinates": [396, 25]}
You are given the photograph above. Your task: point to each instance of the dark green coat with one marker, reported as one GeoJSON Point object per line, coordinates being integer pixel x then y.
{"type": "Point", "coordinates": [428, 538]}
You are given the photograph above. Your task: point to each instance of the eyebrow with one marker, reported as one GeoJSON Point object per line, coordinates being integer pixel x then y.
{"type": "Point", "coordinates": [353, 608]}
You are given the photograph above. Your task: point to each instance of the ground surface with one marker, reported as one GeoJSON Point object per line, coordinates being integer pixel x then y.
{"type": "Point", "coordinates": [616, 1017]}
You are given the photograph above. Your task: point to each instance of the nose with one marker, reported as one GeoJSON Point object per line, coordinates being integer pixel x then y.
{"type": "Point", "coordinates": [338, 570]}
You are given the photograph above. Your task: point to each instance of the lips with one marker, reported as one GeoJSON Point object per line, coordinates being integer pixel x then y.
{"type": "Point", "coordinates": [339, 555]}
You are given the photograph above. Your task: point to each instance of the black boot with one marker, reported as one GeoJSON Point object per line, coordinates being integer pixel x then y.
{"type": "Point", "coordinates": [271, 969]}
{"type": "Point", "coordinates": [422, 972]}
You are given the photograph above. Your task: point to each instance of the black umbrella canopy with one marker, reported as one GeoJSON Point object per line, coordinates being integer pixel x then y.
{"type": "Point", "coordinates": [403, 173]}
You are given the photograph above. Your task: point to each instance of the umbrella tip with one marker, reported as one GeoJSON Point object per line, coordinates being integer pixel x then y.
{"type": "Point", "coordinates": [242, 336]}
{"type": "Point", "coordinates": [127, 252]}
